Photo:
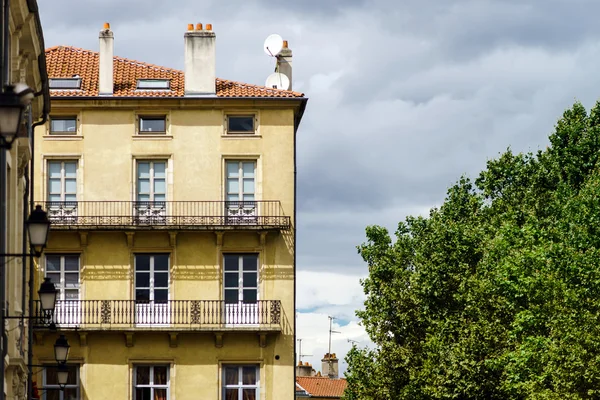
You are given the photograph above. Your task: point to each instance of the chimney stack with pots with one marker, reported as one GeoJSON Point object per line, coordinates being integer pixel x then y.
{"type": "Point", "coordinates": [329, 365]}
{"type": "Point", "coordinates": [284, 62]}
{"type": "Point", "coordinates": [304, 369]}
{"type": "Point", "coordinates": [106, 61]}
{"type": "Point", "coordinates": [200, 61]}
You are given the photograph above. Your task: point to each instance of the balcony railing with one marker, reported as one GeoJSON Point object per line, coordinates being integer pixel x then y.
{"type": "Point", "coordinates": [196, 315]}
{"type": "Point", "coordinates": [166, 214]}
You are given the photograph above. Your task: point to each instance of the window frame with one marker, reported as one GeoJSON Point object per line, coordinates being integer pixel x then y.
{"type": "Point", "coordinates": [151, 384]}
{"type": "Point", "coordinates": [241, 193]}
{"type": "Point", "coordinates": [151, 278]}
{"type": "Point", "coordinates": [241, 115]}
{"type": "Point", "coordinates": [151, 194]}
{"type": "Point", "coordinates": [240, 281]}
{"type": "Point", "coordinates": [63, 179]}
{"type": "Point", "coordinates": [148, 80]}
{"type": "Point", "coordinates": [240, 385]}
{"type": "Point", "coordinates": [63, 118]}
{"type": "Point", "coordinates": [149, 117]}
{"type": "Point", "coordinates": [61, 285]}
{"type": "Point", "coordinates": [76, 79]}
{"type": "Point", "coordinates": [57, 387]}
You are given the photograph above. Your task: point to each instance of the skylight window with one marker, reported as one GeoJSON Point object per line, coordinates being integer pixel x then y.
{"type": "Point", "coordinates": [153, 84]}
{"type": "Point", "coordinates": [65, 83]}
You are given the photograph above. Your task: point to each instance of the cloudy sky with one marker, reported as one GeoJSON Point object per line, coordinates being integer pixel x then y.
{"type": "Point", "coordinates": [405, 96]}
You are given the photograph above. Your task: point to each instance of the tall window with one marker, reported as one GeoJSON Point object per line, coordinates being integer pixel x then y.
{"type": "Point", "coordinates": [63, 271]}
{"type": "Point", "coordinates": [240, 180]}
{"type": "Point", "coordinates": [62, 181]}
{"type": "Point", "coordinates": [151, 180]}
{"type": "Point", "coordinates": [151, 278]}
{"type": "Point", "coordinates": [241, 382]}
{"type": "Point", "coordinates": [51, 389]}
{"type": "Point", "coordinates": [241, 278]}
{"type": "Point", "coordinates": [151, 382]}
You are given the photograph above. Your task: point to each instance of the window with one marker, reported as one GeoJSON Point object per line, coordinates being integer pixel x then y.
{"type": "Point", "coordinates": [154, 84]}
{"type": "Point", "coordinates": [51, 389]}
{"type": "Point", "coordinates": [240, 286]}
{"type": "Point", "coordinates": [242, 124]}
{"type": "Point", "coordinates": [151, 382]}
{"type": "Point", "coordinates": [62, 181]}
{"type": "Point", "coordinates": [240, 180]}
{"type": "Point", "coordinates": [150, 207]}
{"type": "Point", "coordinates": [151, 180]}
{"type": "Point", "coordinates": [152, 124]}
{"type": "Point", "coordinates": [241, 278]}
{"type": "Point", "coordinates": [63, 271]}
{"type": "Point", "coordinates": [240, 187]}
{"type": "Point", "coordinates": [152, 289]}
{"type": "Point", "coordinates": [63, 125]}
{"type": "Point", "coordinates": [65, 83]}
{"type": "Point", "coordinates": [241, 382]}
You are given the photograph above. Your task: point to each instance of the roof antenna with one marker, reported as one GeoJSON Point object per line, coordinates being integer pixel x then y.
{"type": "Point", "coordinates": [300, 354]}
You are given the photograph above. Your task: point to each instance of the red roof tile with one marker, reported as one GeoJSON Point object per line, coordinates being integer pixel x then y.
{"type": "Point", "coordinates": [318, 386]}
{"type": "Point", "coordinates": [67, 61]}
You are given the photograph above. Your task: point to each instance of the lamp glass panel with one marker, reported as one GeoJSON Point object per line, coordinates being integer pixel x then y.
{"type": "Point", "coordinates": [38, 233]}
{"type": "Point", "coordinates": [10, 118]}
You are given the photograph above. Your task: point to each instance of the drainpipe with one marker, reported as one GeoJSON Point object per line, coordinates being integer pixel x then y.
{"type": "Point", "coordinates": [5, 65]}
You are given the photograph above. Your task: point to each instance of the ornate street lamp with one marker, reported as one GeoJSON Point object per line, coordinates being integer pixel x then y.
{"type": "Point", "coordinates": [47, 294]}
{"type": "Point", "coordinates": [62, 376]}
{"type": "Point", "coordinates": [38, 226]}
{"type": "Point", "coordinates": [13, 102]}
{"type": "Point", "coordinates": [61, 349]}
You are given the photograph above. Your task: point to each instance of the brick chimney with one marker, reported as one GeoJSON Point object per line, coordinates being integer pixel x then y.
{"type": "Point", "coordinates": [105, 81]}
{"type": "Point", "coordinates": [329, 365]}
{"type": "Point", "coordinates": [284, 62]}
{"type": "Point", "coordinates": [304, 369]}
{"type": "Point", "coordinates": [200, 61]}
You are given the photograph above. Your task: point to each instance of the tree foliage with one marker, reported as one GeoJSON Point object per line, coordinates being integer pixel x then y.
{"type": "Point", "coordinates": [496, 294]}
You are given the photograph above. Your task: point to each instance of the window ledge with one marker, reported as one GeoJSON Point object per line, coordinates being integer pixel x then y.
{"type": "Point", "coordinates": [153, 137]}
{"type": "Point", "coordinates": [63, 137]}
{"type": "Point", "coordinates": [241, 136]}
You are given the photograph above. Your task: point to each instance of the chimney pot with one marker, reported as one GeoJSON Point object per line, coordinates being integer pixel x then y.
{"type": "Point", "coordinates": [209, 27]}
{"type": "Point", "coordinates": [285, 44]}
{"type": "Point", "coordinates": [198, 26]}
{"type": "Point", "coordinates": [106, 25]}
{"type": "Point", "coordinates": [190, 27]}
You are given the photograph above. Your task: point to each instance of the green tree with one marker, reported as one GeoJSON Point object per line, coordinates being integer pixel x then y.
{"type": "Point", "coordinates": [496, 294]}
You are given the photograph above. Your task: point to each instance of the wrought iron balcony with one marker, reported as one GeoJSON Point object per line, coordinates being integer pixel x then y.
{"type": "Point", "coordinates": [182, 315]}
{"type": "Point", "coordinates": [193, 215]}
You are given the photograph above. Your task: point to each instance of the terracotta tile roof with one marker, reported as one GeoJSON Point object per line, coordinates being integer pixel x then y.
{"type": "Point", "coordinates": [67, 61]}
{"type": "Point", "coordinates": [318, 386]}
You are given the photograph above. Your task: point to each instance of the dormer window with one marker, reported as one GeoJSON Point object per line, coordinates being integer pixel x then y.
{"type": "Point", "coordinates": [65, 83]}
{"type": "Point", "coordinates": [153, 84]}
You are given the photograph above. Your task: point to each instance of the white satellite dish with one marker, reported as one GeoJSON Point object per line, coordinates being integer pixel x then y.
{"type": "Point", "coordinates": [273, 45]}
{"type": "Point", "coordinates": [278, 81]}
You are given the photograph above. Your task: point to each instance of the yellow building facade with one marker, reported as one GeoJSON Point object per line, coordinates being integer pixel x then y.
{"type": "Point", "coordinates": [25, 64]}
{"type": "Point", "coordinates": [172, 200]}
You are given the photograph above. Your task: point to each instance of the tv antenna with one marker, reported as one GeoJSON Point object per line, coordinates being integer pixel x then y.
{"type": "Point", "coordinates": [273, 45]}
{"type": "Point", "coordinates": [300, 354]}
{"type": "Point", "coordinates": [353, 342]}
